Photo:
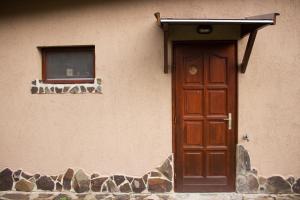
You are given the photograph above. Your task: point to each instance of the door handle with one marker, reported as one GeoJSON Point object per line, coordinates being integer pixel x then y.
{"type": "Point", "coordinates": [229, 119]}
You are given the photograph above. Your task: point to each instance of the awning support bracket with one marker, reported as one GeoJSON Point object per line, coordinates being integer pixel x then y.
{"type": "Point", "coordinates": [248, 51]}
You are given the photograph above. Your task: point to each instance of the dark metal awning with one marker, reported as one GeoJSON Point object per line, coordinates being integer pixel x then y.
{"type": "Point", "coordinates": [249, 25]}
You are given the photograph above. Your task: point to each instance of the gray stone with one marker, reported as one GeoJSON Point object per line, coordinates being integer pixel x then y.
{"type": "Point", "coordinates": [17, 196]}
{"type": "Point", "coordinates": [33, 82]}
{"type": "Point", "coordinates": [247, 184]}
{"type": "Point", "coordinates": [34, 90]}
{"type": "Point", "coordinates": [45, 183]}
{"type": "Point", "coordinates": [98, 89]}
{"type": "Point", "coordinates": [53, 178]}
{"type": "Point", "coordinates": [138, 185]}
{"type": "Point", "coordinates": [98, 81]}
{"type": "Point", "coordinates": [145, 178]}
{"type": "Point", "coordinates": [17, 174]}
{"type": "Point", "coordinates": [52, 89]}
{"type": "Point", "coordinates": [277, 184]}
{"type": "Point", "coordinates": [155, 174]}
{"type": "Point", "coordinates": [97, 183]}
{"type": "Point", "coordinates": [141, 196]}
{"type": "Point", "coordinates": [66, 89]}
{"type": "Point", "coordinates": [24, 185]}
{"type": "Point", "coordinates": [165, 197]}
{"type": "Point", "coordinates": [121, 197]}
{"type": "Point", "coordinates": [41, 90]}
{"type": "Point", "coordinates": [58, 186]}
{"type": "Point", "coordinates": [130, 179]}
{"type": "Point", "coordinates": [101, 196]}
{"type": "Point", "coordinates": [158, 185]}
{"type": "Point", "coordinates": [59, 178]}
{"type": "Point", "coordinates": [262, 180]}
{"type": "Point", "coordinates": [94, 175]}
{"type": "Point", "coordinates": [291, 180]}
{"type": "Point", "coordinates": [44, 196]}
{"type": "Point", "coordinates": [104, 188]}
{"type": "Point", "coordinates": [243, 160]}
{"type": "Point", "coordinates": [26, 176]}
{"type": "Point", "coordinates": [84, 196]}
{"type": "Point", "coordinates": [296, 186]}
{"type": "Point", "coordinates": [90, 89]}
{"type": "Point", "coordinates": [125, 188]}
{"type": "Point", "coordinates": [254, 171]}
{"type": "Point", "coordinates": [36, 176]}
{"type": "Point", "coordinates": [67, 179]}
{"type": "Point", "coordinates": [47, 90]}
{"type": "Point", "coordinates": [82, 89]}
{"type": "Point", "coordinates": [112, 187]}
{"type": "Point", "coordinates": [32, 179]}
{"type": "Point", "coordinates": [166, 169]}
{"type": "Point", "coordinates": [119, 179]}
{"type": "Point", "coordinates": [81, 182]}
{"type": "Point", "coordinates": [58, 90]}
{"type": "Point", "coordinates": [74, 90]}
{"type": "Point", "coordinates": [261, 197]}
{"type": "Point", "coordinates": [6, 180]}
{"type": "Point", "coordinates": [288, 197]}
{"type": "Point", "coordinates": [262, 189]}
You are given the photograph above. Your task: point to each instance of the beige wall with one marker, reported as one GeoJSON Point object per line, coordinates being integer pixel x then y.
{"type": "Point", "coordinates": [127, 129]}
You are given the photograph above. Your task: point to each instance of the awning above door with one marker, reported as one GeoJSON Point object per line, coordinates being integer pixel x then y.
{"type": "Point", "coordinates": [249, 25]}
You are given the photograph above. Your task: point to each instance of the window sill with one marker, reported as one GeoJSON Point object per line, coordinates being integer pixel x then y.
{"type": "Point", "coordinates": [38, 87]}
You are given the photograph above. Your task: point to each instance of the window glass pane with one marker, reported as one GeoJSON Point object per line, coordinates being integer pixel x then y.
{"type": "Point", "coordinates": [70, 64]}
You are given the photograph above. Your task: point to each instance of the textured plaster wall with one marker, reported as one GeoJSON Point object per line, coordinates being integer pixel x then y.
{"type": "Point", "coordinates": [127, 129]}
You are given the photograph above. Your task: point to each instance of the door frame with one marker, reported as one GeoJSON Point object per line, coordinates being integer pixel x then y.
{"type": "Point", "coordinates": [173, 79]}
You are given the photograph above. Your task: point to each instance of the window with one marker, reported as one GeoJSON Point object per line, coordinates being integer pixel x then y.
{"type": "Point", "coordinates": [68, 64]}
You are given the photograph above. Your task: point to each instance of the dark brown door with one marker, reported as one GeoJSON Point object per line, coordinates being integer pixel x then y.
{"type": "Point", "coordinates": [204, 82]}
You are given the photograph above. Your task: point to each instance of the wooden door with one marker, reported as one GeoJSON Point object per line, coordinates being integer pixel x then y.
{"type": "Point", "coordinates": [204, 94]}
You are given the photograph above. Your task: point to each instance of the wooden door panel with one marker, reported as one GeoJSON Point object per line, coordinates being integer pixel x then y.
{"type": "Point", "coordinates": [217, 100]}
{"type": "Point", "coordinates": [217, 69]}
{"type": "Point", "coordinates": [193, 103]}
{"type": "Point", "coordinates": [205, 93]}
{"type": "Point", "coordinates": [216, 163]}
{"type": "Point", "coordinates": [216, 133]}
{"type": "Point", "coordinates": [193, 70]}
{"type": "Point", "coordinates": [193, 132]}
{"type": "Point", "coordinates": [192, 164]}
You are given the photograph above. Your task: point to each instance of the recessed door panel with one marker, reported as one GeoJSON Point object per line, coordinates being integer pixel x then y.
{"type": "Point", "coordinates": [217, 100]}
{"type": "Point", "coordinates": [216, 133]}
{"type": "Point", "coordinates": [216, 163]}
{"type": "Point", "coordinates": [193, 70]}
{"type": "Point", "coordinates": [193, 102]}
{"type": "Point", "coordinates": [193, 132]}
{"type": "Point", "coordinates": [192, 164]}
{"type": "Point", "coordinates": [217, 70]}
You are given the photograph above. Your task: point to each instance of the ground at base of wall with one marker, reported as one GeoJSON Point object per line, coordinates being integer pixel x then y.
{"type": "Point", "coordinates": [120, 196]}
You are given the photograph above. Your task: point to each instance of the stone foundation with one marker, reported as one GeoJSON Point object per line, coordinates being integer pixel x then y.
{"type": "Point", "coordinates": [248, 179]}
{"type": "Point", "coordinates": [38, 87]}
{"type": "Point", "coordinates": [159, 180]}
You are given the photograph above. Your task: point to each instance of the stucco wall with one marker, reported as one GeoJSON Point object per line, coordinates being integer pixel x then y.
{"type": "Point", "coordinates": [127, 129]}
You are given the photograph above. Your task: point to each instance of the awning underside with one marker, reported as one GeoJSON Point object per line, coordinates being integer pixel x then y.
{"type": "Point", "coordinates": [249, 25]}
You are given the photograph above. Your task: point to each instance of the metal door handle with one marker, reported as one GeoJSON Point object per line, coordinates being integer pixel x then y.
{"type": "Point", "coordinates": [229, 119]}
